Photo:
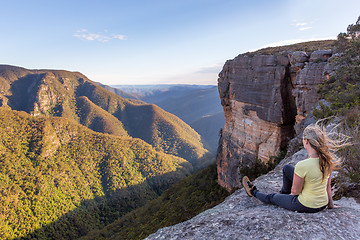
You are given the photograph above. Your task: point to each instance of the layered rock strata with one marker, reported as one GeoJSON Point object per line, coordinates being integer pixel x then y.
{"type": "Point", "coordinates": [265, 100]}
{"type": "Point", "coordinates": [306, 75]}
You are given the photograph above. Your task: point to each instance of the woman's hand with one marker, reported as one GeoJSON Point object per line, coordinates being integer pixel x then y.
{"type": "Point", "coordinates": [333, 206]}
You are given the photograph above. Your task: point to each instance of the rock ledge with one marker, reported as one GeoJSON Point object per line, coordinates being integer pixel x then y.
{"type": "Point", "coordinates": [241, 217]}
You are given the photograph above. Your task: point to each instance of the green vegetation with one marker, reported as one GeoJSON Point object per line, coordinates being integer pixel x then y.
{"type": "Point", "coordinates": [72, 95]}
{"type": "Point", "coordinates": [163, 130]}
{"type": "Point", "coordinates": [348, 179]}
{"type": "Point", "coordinates": [259, 167]}
{"type": "Point", "coordinates": [341, 93]}
{"type": "Point", "coordinates": [179, 203]}
{"type": "Point", "coordinates": [98, 119]}
{"type": "Point", "coordinates": [198, 106]}
{"type": "Point", "coordinates": [342, 89]}
{"type": "Point", "coordinates": [59, 179]}
{"type": "Point", "coordinates": [307, 47]}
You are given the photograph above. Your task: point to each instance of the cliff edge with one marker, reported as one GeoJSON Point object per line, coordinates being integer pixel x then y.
{"type": "Point", "coordinates": [266, 99]}
{"type": "Point", "coordinates": [241, 217]}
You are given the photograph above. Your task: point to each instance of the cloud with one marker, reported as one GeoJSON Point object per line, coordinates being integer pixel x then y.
{"type": "Point", "coordinates": [301, 25]}
{"type": "Point", "coordinates": [120, 37]}
{"type": "Point", "coordinates": [304, 28]}
{"type": "Point", "coordinates": [100, 37]}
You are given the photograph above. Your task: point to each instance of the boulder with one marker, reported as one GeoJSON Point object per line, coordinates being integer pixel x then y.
{"type": "Point", "coordinates": [320, 55]}
{"type": "Point", "coordinates": [298, 57]}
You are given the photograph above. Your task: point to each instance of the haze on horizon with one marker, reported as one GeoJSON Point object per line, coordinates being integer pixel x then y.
{"type": "Point", "coordinates": [159, 41]}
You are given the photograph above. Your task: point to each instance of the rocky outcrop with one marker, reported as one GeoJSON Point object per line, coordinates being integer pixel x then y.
{"type": "Point", "coordinates": [305, 80]}
{"type": "Point", "coordinates": [254, 92]}
{"type": "Point", "coordinates": [241, 217]}
{"type": "Point", "coordinates": [266, 99]}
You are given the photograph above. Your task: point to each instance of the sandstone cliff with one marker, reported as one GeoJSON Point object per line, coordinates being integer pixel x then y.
{"type": "Point", "coordinates": [266, 99]}
{"type": "Point", "coordinates": [241, 217]}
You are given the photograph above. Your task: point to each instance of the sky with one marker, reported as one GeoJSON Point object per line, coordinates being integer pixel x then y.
{"type": "Point", "coordinates": [159, 41]}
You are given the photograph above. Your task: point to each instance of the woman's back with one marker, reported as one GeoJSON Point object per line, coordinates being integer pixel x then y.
{"type": "Point", "coordinates": [314, 193]}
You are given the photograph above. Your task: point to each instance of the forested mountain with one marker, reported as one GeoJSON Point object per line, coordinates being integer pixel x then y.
{"type": "Point", "coordinates": [60, 179]}
{"type": "Point", "coordinates": [73, 95]}
{"type": "Point", "coordinates": [201, 109]}
{"type": "Point", "coordinates": [197, 105]}
{"type": "Point", "coordinates": [75, 157]}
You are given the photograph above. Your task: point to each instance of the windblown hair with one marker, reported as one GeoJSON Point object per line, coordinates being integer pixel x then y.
{"type": "Point", "coordinates": [325, 144]}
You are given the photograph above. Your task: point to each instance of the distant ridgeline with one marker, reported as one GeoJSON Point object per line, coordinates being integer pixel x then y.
{"type": "Point", "coordinates": [197, 105]}
{"type": "Point", "coordinates": [75, 157]}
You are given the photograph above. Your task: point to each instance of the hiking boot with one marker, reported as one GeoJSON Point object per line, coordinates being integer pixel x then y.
{"type": "Point", "coordinates": [248, 186]}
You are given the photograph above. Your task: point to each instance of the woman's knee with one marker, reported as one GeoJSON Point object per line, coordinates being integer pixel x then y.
{"type": "Point", "coordinates": [287, 168]}
{"type": "Point", "coordinates": [284, 201]}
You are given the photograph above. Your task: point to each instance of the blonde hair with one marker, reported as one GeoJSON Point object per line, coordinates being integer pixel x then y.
{"type": "Point", "coordinates": [326, 144]}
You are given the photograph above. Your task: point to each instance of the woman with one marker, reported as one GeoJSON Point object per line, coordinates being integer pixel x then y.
{"type": "Point", "coordinates": [306, 188]}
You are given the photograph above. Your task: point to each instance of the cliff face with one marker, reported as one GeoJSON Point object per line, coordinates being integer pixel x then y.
{"type": "Point", "coordinates": [241, 217]}
{"type": "Point", "coordinates": [266, 99]}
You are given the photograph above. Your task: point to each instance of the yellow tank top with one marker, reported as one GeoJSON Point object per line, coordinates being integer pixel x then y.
{"type": "Point", "coordinates": [314, 194]}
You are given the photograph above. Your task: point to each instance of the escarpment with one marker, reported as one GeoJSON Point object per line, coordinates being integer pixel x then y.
{"type": "Point", "coordinates": [266, 99]}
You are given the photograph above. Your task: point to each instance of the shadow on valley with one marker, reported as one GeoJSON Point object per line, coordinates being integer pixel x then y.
{"type": "Point", "coordinates": [96, 213]}
{"type": "Point", "coordinates": [24, 92]}
{"type": "Point", "coordinates": [59, 179]}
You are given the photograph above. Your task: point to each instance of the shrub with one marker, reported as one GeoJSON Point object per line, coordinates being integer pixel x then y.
{"type": "Point", "coordinates": [342, 92]}
{"type": "Point", "coordinates": [350, 154]}
{"type": "Point", "coordinates": [348, 178]}
{"type": "Point", "coordinates": [260, 168]}
{"type": "Point", "coordinates": [342, 89]}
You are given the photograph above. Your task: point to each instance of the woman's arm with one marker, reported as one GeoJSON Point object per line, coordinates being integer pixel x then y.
{"type": "Point", "coordinates": [329, 193]}
{"type": "Point", "coordinates": [297, 186]}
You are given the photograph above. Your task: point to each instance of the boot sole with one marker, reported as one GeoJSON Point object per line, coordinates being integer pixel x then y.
{"type": "Point", "coordinates": [245, 180]}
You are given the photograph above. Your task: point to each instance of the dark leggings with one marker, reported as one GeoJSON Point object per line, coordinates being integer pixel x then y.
{"type": "Point", "coordinates": [283, 199]}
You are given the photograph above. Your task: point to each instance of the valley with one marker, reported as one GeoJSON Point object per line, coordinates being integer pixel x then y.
{"type": "Point", "coordinates": [76, 157]}
{"type": "Point", "coordinates": [197, 105]}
